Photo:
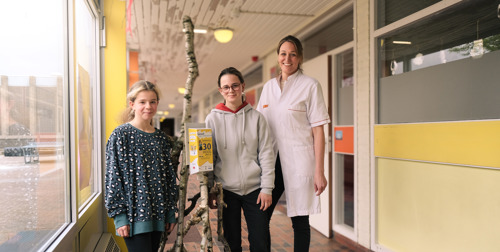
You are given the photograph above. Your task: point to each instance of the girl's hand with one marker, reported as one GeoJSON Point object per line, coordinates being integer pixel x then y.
{"type": "Point", "coordinates": [212, 201]}
{"type": "Point", "coordinates": [124, 231]}
{"type": "Point", "coordinates": [265, 201]}
{"type": "Point", "coordinates": [169, 227]}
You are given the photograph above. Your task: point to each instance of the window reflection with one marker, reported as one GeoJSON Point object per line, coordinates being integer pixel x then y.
{"type": "Point", "coordinates": [441, 68]}
{"type": "Point", "coordinates": [389, 11]}
{"type": "Point", "coordinates": [32, 132]}
{"type": "Point", "coordinates": [468, 30]}
{"type": "Point", "coordinates": [85, 99]}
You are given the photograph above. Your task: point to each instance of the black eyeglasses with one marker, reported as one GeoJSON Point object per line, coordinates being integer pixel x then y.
{"type": "Point", "coordinates": [235, 87]}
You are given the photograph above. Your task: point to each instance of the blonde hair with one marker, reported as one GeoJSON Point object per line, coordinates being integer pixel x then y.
{"type": "Point", "coordinates": [133, 92]}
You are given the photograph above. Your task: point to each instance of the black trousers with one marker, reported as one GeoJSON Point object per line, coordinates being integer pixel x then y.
{"type": "Point", "coordinates": [300, 224]}
{"type": "Point", "coordinates": [256, 219]}
{"type": "Point", "coordinates": [144, 242]}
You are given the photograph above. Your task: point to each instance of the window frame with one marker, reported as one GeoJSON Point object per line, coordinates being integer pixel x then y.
{"type": "Point", "coordinates": [67, 237]}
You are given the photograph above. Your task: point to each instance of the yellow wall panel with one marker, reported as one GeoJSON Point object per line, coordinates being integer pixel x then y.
{"type": "Point", "coordinates": [115, 63]}
{"type": "Point", "coordinates": [435, 207]}
{"type": "Point", "coordinates": [474, 143]}
{"type": "Point", "coordinates": [115, 76]}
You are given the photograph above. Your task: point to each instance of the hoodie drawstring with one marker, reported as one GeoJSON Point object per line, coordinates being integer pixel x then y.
{"type": "Point", "coordinates": [243, 131]}
{"type": "Point", "coordinates": [225, 131]}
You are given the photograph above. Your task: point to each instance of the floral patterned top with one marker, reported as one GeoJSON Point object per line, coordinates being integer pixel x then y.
{"type": "Point", "coordinates": [140, 183]}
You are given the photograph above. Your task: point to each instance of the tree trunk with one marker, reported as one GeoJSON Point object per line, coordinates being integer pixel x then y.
{"type": "Point", "coordinates": [179, 144]}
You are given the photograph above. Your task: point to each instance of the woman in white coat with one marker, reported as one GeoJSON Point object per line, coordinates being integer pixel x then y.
{"type": "Point", "coordinates": [294, 108]}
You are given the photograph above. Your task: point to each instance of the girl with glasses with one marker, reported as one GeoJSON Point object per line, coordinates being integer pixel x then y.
{"type": "Point", "coordinates": [244, 163]}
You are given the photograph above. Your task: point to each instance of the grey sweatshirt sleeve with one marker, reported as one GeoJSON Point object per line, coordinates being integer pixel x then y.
{"type": "Point", "coordinates": [266, 157]}
{"type": "Point", "coordinates": [209, 124]}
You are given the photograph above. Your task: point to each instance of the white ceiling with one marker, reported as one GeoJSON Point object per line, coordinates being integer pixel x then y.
{"type": "Point", "coordinates": [156, 32]}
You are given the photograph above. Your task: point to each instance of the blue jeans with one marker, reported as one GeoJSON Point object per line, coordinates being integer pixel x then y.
{"type": "Point", "coordinates": [300, 224]}
{"type": "Point", "coordinates": [256, 219]}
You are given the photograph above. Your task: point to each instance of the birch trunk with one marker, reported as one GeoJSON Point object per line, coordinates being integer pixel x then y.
{"type": "Point", "coordinates": [179, 144]}
{"type": "Point", "coordinates": [206, 241]}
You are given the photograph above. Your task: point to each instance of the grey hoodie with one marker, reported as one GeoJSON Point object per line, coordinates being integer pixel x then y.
{"type": "Point", "coordinates": [243, 151]}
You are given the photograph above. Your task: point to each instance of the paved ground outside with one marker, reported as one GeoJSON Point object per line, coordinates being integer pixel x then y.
{"type": "Point", "coordinates": [32, 202]}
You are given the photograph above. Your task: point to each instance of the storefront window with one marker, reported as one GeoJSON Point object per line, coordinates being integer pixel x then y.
{"type": "Point", "coordinates": [443, 68]}
{"type": "Point", "coordinates": [390, 11]}
{"type": "Point", "coordinates": [333, 35]}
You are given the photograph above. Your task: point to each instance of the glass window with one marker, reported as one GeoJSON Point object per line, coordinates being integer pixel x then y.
{"type": "Point", "coordinates": [344, 137]}
{"type": "Point", "coordinates": [333, 35]}
{"type": "Point", "coordinates": [253, 78]}
{"type": "Point", "coordinates": [85, 88]}
{"type": "Point", "coordinates": [33, 115]}
{"type": "Point", "coordinates": [443, 68]}
{"type": "Point", "coordinates": [345, 88]}
{"type": "Point", "coordinates": [389, 11]}
{"type": "Point", "coordinates": [345, 190]}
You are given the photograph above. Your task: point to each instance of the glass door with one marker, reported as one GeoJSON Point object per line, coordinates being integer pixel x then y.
{"type": "Point", "coordinates": [343, 147]}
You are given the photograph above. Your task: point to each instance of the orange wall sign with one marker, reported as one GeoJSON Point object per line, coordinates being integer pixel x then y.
{"type": "Point", "coordinates": [133, 65]}
{"type": "Point", "coordinates": [344, 139]}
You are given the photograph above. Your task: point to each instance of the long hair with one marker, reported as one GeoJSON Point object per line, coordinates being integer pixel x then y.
{"type": "Point", "coordinates": [142, 85]}
{"type": "Point", "coordinates": [298, 47]}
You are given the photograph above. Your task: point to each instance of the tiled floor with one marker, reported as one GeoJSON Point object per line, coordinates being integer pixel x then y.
{"type": "Point", "coordinates": [281, 232]}
{"type": "Point", "coordinates": [47, 190]}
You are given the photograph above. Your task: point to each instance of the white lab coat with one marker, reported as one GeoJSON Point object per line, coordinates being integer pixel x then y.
{"type": "Point", "coordinates": [291, 115]}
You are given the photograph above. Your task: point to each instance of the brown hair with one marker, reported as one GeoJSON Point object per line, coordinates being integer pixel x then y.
{"type": "Point", "coordinates": [133, 92]}
{"type": "Point", "coordinates": [237, 73]}
{"type": "Point", "coordinates": [233, 71]}
{"type": "Point", "coordinates": [298, 46]}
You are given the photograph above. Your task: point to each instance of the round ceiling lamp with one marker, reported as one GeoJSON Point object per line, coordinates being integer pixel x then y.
{"type": "Point", "coordinates": [223, 35]}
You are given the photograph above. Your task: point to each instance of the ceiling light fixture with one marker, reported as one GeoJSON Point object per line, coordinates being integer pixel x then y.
{"type": "Point", "coordinates": [223, 35]}
{"type": "Point", "coordinates": [200, 30]}
{"type": "Point", "coordinates": [181, 90]}
{"type": "Point", "coordinates": [171, 105]}
{"type": "Point", "coordinates": [401, 42]}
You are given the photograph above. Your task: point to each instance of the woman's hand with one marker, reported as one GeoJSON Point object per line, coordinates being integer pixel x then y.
{"type": "Point", "coordinates": [265, 201]}
{"type": "Point", "coordinates": [123, 231]}
{"type": "Point", "coordinates": [320, 183]}
{"type": "Point", "coordinates": [169, 227]}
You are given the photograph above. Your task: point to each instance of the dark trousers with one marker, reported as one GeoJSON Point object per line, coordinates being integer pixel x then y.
{"type": "Point", "coordinates": [300, 224]}
{"type": "Point", "coordinates": [256, 219]}
{"type": "Point", "coordinates": [144, 242]}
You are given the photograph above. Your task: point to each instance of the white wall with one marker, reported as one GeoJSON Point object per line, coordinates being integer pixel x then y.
{"type": "Point", "coordinates": [362, 117]}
